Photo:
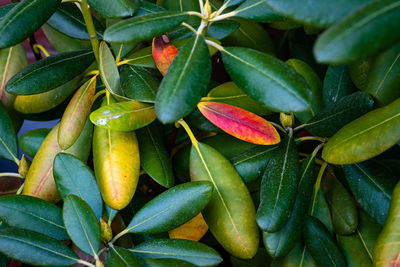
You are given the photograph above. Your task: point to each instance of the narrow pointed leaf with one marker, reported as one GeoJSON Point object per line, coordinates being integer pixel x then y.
{"type": "Point", "coordinates": [267, 79]}
{"type": "Point", "coordinates": [278, 187]}
{"type": "Point", "coordinates": [349, 39]}
{"type": "Point", "coordinates": [33, 214]}
{"type": "Point", "coordinates": [257, 10]}
{"type": "Point", "coordinates": [365, 137]}
{"type": "Point", "coordinates": [35, 248]}
{"type": "Point", "coordinates": [230, 217]}
{"type": "Point", "coordinates": [185, 82]}
{"type": "Point", "coordinates": [240, 123]}
{"type": "Point", "coordinates": [180, 249]}
{"type": "Point", "coordinates": [24, 19]}
{"type": "Point", "coordinates": [50, 72]}
{"type": "Point", "coordinates": [142, 28]}
{"type": "Point", "coordinates": [115, 9]}
{"type": "Point", "coordinates": [122, 258]}
{"type": "Point", "coordinates": [82, 225]}
{"type": "Point", "coordinates": [124, 116]}
{"type": "Point", "coordinates": [337, 84]}
{"type": "Point", "coordinates": [109, 71]}
{"type": "Point", "coordinates": [8, 137]}
{"type": "Point", "coordinates": [72, 176]}
{"type": "Point", "coordinates": [163, 53]}
{"type": "Point", "coordinates": [31, 140]}
{"type": "Point", "coordinates": [172, 208]}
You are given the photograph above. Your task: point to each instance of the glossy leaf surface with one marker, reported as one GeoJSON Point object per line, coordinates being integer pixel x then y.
{"type": "Point", "coordinates": [8, 137]}
{"type": "Point", "coordinates": [257, 10]}
{"type": "Point", "coordinates": [163, 52]}
{"type": "Point", "coordinates": [337, 84]}
{"type": "Point", "coordinates": [31, 140]}
{"type": "Point", "coordinates": [109, 71]}
{"type": "Point", "coordinates": [120, 257]}
{"type": "Point", "coordinates": [354, 251]}
{"type": "Point", "coordinates": [115, 9]}
{"type": "Point", "coordinates": [193, 229]}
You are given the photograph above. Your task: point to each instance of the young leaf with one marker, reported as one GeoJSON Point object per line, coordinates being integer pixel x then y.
{"type": "Point", "coordinates": [8, 137]}
{"type": "Point", "coordinates": [50, 72]}
{"type": "Point", "coordinates": [172, 208]}
{"type": "Point", "coordinates": [278, 187]}
{"type": "Point", "coordinates": [33, 214]}
{"type": "Point", "coordinates": [154, 157]}
{"type": "Point", "coordinates": [35, 248]}
{"type": "Point", "coordinates": [257, 10]}
{"type": "Point", "coordinates": [81, 224]}
{"type": "Point", "coordinates": [365, 137]}
{"type": "Point", "coordinates": [136, 29]}
{"type": "Point", "coordinates": [185, 82]}
{"type": "Point", "coordinates": [186, 250]}
{"type": "Point", "coordinates": [115, 9]}
{"type": "Point", "coordinates": [337, 84]}
{"type": "Point", "coordinates": [24, 19]}
{"type": "Point", "coordinates": [230, 217]}
{"type": "Point", "coordinates": [240, 123]}
{"type": "Point", "coordinates": [349, 39]}
{"type": "Point", "coordinates": [122, 257]}
{"type": "Point", "coordinates": [109, 71]}
{"type": "Point", "coordinates": [31, 140]}
{"type": "Point", "coordinates": [72, 176]}
{"type": "Point", "coordinates": [267, 79]}
{"type": "Point", "coordinates": [163, 53]}
{"type": "Point", "coordinates": [124, 116]}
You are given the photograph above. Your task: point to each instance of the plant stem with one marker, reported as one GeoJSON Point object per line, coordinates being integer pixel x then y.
{"type": "Point", "coordinates": [85, 263]}
{"type": "Point", "coordinates": [87, 16]}
{"type": "Point", "coordinates": [189, 27]}
{"type": "Point", "coordinates": [11, 174]}
{"type": "Point", "coordinates": [313, 138]}
{"type": "Point", "coordinates": [37, 48]}
{"type": "Point", "coordinates": [123, 232]}
{"type": "Point", "coordinates": [189, 132]}
{"type": "Point", "coordinates": [224, 16]}
{"type": "Point", "coordinates": [194, 13]}
{"type": "Point", "coordinates": [278, 126]}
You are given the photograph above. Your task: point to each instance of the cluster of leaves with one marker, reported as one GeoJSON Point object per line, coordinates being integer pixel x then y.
{"type": "Point", "coordinates": [129, 73]}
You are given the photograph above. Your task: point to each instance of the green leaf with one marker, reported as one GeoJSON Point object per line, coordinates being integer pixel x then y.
{"type": "Point", "coordinates": [260, 259]}
{"type": "Point", "coordinates": [68, 20]}
{"type": "Point", "coordinates": [181, 249]}
{"type": "Point", "coordinates": [33, 214]}
{"type": "Point", "coordinates": [359, 71]}
{"type": "Point", "coordinates": [383, 77]}
{"type": "Point", "coordinates": [50, 72]}
{"type": "Point", "coordinates": [279, 187]}
{"type": "Point", "coordinates": [167, 262]}
{"type": "Point", "coordinates": [321, 244]}
{"type": "Point", "coordinates": [35, 248]}
{"type": "Point", "coordinates": [319, 13]}
{"type": "Point", "coordinates": [109, 71]}
{"type": "Point", "coordinates": [82, 225]}
{"type": "Point", "coordinates": [24, 19]}
{"type": "Point", "coordinates": [72, 176]}
{"type": "Point", "coordinates": [337, 84]}
{"type": "Point", "coordinates": [280, 243]}
{"type": "Point", "coordinates": [122, 257]}
{"type": "Point", "coordinates": [230, 217]}
{"type": "Point", "coordinates": [372, 186]}
{"type": "Point", "coordinates": [365, 137]}
{"type": "Point", "coordinates": [148, 8]}
{"type": "Point", "coordinates": [343, 211]}
{"type": "Point", "coordinates": [172, 208]}
{"type": "Point", "coordinates": [139, 84]}
{"type": "Point", "coordinates": [319, 209]}
{"type": "Point", "coordinates": [63, 43]}
{"type": "Point", "coordinates": [222, 29]}
{"type": "Point", "coordinates": [354, 250]}
{"type": "Point", "coordinates": [329, 120]}
{"type": "Point", "coordinates": [368, 232]}
{"type": "Point", "coordinates": [124, 116]}
{"type": "Point", "coordinates": [111, 213]}
{"type": "Point", "coordinates": [299, 256]}
{"type": "Point", "coordinates": [115, 9]}
{"type": "Point", "coordinates": [185, 82]}
{"type": "Point", "coordinates": [154, 157]}
{"type": "Point", "coordinates": [8, 137]}
{"type": "Point", "coordinates": [142, 28]}
{"type": "Point", "coordinates": [142, 58]}
{"type": "Point", "coordinates": [177, 5]}
{"type": "Point", "coordinates": [349, 40]}
{"type": "Point", "coordinates": [5, 9]}
{"type": "Point", "coordinates": [267, 79]}
{"type": "Point", "coordinates": [257, 10]}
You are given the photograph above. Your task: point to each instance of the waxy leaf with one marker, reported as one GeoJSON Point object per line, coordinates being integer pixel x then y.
{"type": "Point", "coordinates": [142, 28]}
{"type": "Point", "coordinates": [230, 217]}
{"type": "Point", "coordinates": [329, 120]}
{"type": "Point", "coordinates": [180, 249]}
{"type": "Point", "coordinates": [321, 244]}
{"type": "Point", "coordinates": [76, 114]}
{"type": "Point", "coordinates": [299, 256]}
{"type": "Point", "coordinates": [50, 72]}
{"type": "Point", "coordinates": [5, 9]}
{"type": "Point", "coordinates": [109, 71]}
{"type": "Point", "coordinates": [35, 248]}
{"type": "Point", "coordinates": [24, 19]}
{"type": "Point", "coordinates": [359, 71]}
{"type": "Point", "coordinates": [31, 140]}
{"type": "Point", "coordinates": [368, 231]}
{"type": "Point", "coordinates": [123, 116]}
{"type": "Point", "coordinates": [337, 84]}
{"type": "Point", "coordinates": [154, 157]}
{"type": "Point", "coordinates": [257, 10]}
{"type": "Point", "coordinates": [185, 82]}
{"type": "Point", "coordinates": [8, 137]}
{"type": "Point", "coordinates": [122, 257]}
{"type": "Point", "coordinates": [278, 187]}
{"type": "Point", "coordinates": [372, 186]}
{"type": "Point", "coordinates": [240, 123]}
{"type": "Point", "coordinates": [115, 9]}
{"type": "Point", "coordinates": [81, 224]}
{"type": "Point", "coordinates": [193, 229]}
{"type": "Point", "coordinates": [163, 53]}
{"type": "Point", "coordinates": [172, 208]}
{"type": "Point", "coordinates": [63, 43]}
{"type": "Point", "coordinates": [267, 79]}
{"type": "Point", "coordinates": [72, 176]}
{"type": "Point", "coordinates": [349, 40]}
{"type": "Point", "coordinates": [383, 76]}
{"type": "Point", "coordinates": [148, 8]}
{"type": "Point", "coordinates": [354, 250]}
{"type": "Point", "coordinates": [365, 137]}
{"type": "Point", "coordinates": [33, 214]}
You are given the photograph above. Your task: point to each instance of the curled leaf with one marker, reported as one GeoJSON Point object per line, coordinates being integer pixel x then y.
{"type": "Point", "coordinates": [163, 53]}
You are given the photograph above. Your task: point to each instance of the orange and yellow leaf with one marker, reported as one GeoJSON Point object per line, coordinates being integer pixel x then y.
{"type": "Point", "coordinates": [163, 53]}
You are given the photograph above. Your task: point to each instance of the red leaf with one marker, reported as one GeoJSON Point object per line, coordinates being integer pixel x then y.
{"type": "Point", "coordinates": [240, 123]}
{"type": "Point", "coordinates": [163, 53]}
